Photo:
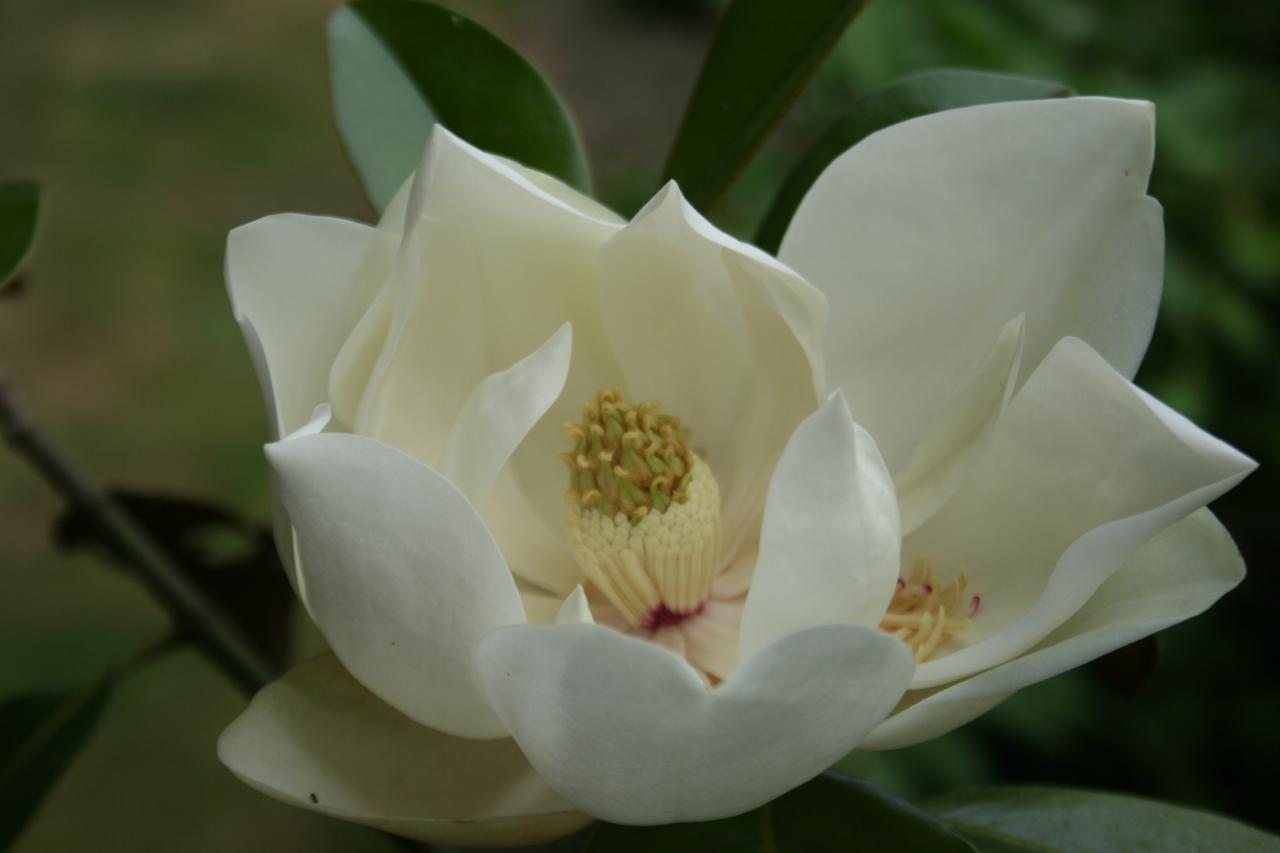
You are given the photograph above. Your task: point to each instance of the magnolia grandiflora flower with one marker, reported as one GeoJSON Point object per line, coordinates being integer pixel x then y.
{"type": "Point", "coordinates": [597, 524]}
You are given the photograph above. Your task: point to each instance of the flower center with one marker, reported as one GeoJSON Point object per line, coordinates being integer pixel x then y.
{"type": "Point", "coordinates": [924, 614]}
{"type": "Point", "coordinates": [642, 514]}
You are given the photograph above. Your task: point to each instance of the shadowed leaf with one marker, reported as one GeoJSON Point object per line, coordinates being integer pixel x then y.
{"type": "Point", "coordinates": [1033, 820]}
{"type": "Point", "coordinates": [40, 735]}
{"type": "Point", "coordinates": [229, 559]}
{"type": "Point", "coordinates": [763, 54]}
{"type": "Point", "coordinates": [19, 206]}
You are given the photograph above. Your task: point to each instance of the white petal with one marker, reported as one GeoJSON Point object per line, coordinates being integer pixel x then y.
{"type": "Point", "coordinates": [501, 411]}
{"type": "Point", "coordinates": [575, 610]}
{"type": "Point", "coordinates": [952, 445]}
{"type": "Point", "coordinates": [1175, 576]}
{"type": "Point", "coordinates": [402, 576]}
{"type": "Point", "coordinates": [1083, 469]}
{"type": "Point", "coordinates": [928, 236]}
{"type": "Point", "coordinates": [830, 539]}
{"type": "Point", "coordinates": [302, 282]}
{"type": "Point", "coordinates": [629, 732]}
{"type": "Point", "coordinates": [319, 740]}
{"type": "Point", "coordinates": [722, 335]}
{"type": "Point", "coordinates": [492, 265]}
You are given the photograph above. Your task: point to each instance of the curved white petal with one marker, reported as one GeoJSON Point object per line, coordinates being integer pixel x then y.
{"type": "Point", "coordinates": [951, 446]}
{"type": "Point", "coordinates": [1175, 576]}
{"type": "Point", "coordinates": [575, 610]}
{"type": "Point", "coordinates": [302, 282]}
{"type": "Point", "coordinates": [1082, 470]}
{"type": "Point", "coordinates": [318, 740]}
{"type": "Point", "coordinates": [722, 335]}
{"type": "Point", "coordinates": [928, 236]}
{"type": "Point", "coordinates": [629, 732]}
{"type": "Point", "coordinates": [492, 264]}
{"type": "Point", "coordinates": [402, 576]}
{"type": "Point", "coordinates": [501, 411]}
{"type": "Point", "coordinates": [830, 539]}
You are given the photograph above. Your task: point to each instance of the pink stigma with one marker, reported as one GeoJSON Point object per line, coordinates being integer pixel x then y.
{"type": "Point", "coordinates": [663, 616]}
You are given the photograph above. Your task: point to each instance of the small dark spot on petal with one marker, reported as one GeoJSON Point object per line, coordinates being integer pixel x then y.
{"type": "Point", "coordinates": [1126, 173]}
{"type": "Point", "coordinates": [312, 797]}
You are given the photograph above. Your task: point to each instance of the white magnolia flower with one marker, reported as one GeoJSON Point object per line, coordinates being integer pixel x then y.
{"type": "Point", "coordinates": [732, 583]}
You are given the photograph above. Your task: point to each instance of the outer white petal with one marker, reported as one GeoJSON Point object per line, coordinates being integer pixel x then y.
{"type": "Point", "coordinates": [831, 534]}
{"type": "Point", "coordinates": [402, 576]}
{"type": "Point", "coordinates": [928, 236]}
{"type": "Point", "coordinates": [501, 411]}
{"type": "Point", "coordinates": [493, 263]}
{"type": "Point", "coordinates": [319, 740]}
{"type": "Point", "coordinates": [1083, 469]}
{"type": "Point", "coordinates": [575, 610]}
{"type": "Point", "coordinates": [723, 335]}
{"type": "Point", "coordinates": [302, 282]}
{"type": "Point", "coordinates": [953, 444]}
{"type": "Point", "coordinates": [1173, 577]}
{"type": "Point", "coordinates": [629, 732]}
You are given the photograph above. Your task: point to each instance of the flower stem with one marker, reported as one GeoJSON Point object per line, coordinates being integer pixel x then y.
{"type": "Point", "coordinates": [195, 616]}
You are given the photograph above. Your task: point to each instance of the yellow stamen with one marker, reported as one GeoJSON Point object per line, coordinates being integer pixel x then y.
{"type": "Point", "coordinates": [924, 614]}
{"type": "Point", "coordinates": [642, 513]}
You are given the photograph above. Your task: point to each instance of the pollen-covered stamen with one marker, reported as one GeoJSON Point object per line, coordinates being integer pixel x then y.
{"type": "Point", "coordinates": [642, 513]}
{"type": "Point", "coordinates": [924, 614]}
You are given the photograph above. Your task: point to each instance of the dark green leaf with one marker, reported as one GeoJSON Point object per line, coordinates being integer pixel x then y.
{"type": "Point", "coordinates": [399, 66]}
{"type": "Point", "coordinates": [837, 813]}
{"type": "Point", "coordinates": [19, 205]}
{"type": "Point", "coordinates": [763, 54]}
{"type": "Point", "coordinates": [1074, 821]}
{"type": "Point", "coordinates": [230, 560]}
{"type": "Point", "coordinates": [834, 813]}
{"type": "Point", "coordinates": [40, 735]}
{"type": "Point", "coordinates": [910, 97]}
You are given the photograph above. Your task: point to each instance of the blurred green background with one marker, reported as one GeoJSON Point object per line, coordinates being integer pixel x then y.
{"type": "Point", "coordinates": [157, 125]}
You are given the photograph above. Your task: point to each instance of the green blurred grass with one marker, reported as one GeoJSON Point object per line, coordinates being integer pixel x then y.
{"type": "Point", "coordinates": [155, 127]}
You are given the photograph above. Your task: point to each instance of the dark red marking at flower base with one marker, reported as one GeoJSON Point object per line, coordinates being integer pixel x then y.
{"type": "Point", "coordinates": [974, 604]}
{"type": "Point", "coordinates": [663, 616]}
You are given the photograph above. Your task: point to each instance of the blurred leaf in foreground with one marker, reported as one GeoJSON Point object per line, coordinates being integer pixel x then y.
{"type": "Point", "coordinates": [908, 98]}
{"type": "Point", "coordinates": [400, 66]}
{"type": "Point", "coordinates": [40, 735]}
{"type": "Point", "coordinates": [229, 559]}
{"type": "Point", "coordinates": [19, 206]}
{"type": "Point", "coordinates": [1061, 820]}
{"type": "Point", "coordinates": [763, 54]}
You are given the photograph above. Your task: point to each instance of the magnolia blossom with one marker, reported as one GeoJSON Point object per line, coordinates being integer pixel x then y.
{"type": "Point", "coordinates": [630, 520]}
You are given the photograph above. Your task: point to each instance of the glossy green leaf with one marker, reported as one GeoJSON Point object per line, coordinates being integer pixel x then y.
{"type": "Point", "coordinates": [40, 735]}
{"type": "Point", "coordinates": [399, 66]}
{"type": "Point", "coordinates": [19, 205]}
{"type": "Point", "coordinates": [1028, 820]}
{"type": "Point", "coordinates": [763, 54]}
{"type": "Point", "coordinates": [910, 97]}
{"type": "Point", "coordinates": [831, 813]}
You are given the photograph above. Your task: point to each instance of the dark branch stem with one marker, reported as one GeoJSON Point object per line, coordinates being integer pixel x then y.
{"type": "Point", "coordinates": [195, 616]}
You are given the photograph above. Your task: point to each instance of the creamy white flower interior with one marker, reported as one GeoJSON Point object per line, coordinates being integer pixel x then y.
{"type": "Point", "coordinates": [991, 275]}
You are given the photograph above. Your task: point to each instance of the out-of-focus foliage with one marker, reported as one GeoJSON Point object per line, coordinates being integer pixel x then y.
{"type": "Point", "coordinates": [19, 203]}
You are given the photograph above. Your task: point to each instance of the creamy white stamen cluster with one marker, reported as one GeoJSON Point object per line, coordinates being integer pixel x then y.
{"type": "Point", "coordinates": [642, 514]}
